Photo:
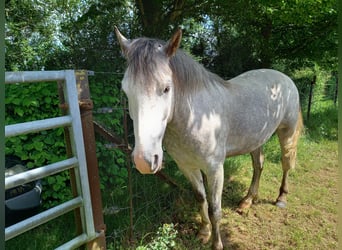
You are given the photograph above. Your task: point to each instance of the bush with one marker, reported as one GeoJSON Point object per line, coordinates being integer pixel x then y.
{"type": "Point", "coordinates": [106, 94]}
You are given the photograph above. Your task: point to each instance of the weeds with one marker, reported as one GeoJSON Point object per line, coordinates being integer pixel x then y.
{"type": "Point", "coordinates": [163, 240]}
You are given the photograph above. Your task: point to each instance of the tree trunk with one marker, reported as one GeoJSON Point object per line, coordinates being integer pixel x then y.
{"type": "Point", "coordinates": [156, 16]}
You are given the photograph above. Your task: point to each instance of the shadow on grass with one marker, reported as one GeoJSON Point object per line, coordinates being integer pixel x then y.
{"type": "Point", "coordinates": [236, 169]}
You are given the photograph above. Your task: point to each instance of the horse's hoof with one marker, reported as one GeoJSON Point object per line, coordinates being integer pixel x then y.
{"type": "Point", "coordinates": [281, 204]}
{"type": "Point", "coordinates": [204, 235]}
{"type": "Point", "coordinates": [204, 239]}
{"type": "Point", "coordinates": [239, 210]}
{"type": "Point", "coordinates": [244, 205]}
{"type": "Point", "coordinates": [217, 246]}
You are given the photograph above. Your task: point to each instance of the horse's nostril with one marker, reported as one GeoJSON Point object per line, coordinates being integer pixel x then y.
{"type": "Point", "coordinates": [155, 162]}
{"type": "Point", "coordinates": [155, 159]}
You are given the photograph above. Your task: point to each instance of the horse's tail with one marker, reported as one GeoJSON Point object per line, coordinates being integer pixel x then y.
{"type": "Point", "coordinates": [300, 123]}
{"type": "Point", "coordinates": [291, 148]}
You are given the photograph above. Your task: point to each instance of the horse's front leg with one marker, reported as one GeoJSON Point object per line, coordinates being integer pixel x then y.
{"type": "Point", "coordinates": [196, 180]}
{"type": "Point", "coordinates": [215, 185]}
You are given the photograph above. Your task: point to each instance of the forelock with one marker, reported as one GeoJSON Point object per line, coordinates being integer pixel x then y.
{"type": "Point", "coordinates": [144, 56]}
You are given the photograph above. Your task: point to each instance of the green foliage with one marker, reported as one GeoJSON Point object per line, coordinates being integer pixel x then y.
{"type": "Point", "coordinates": [37, 101]}
{"type": "Point", "coordinates": [323, 94]}
{"type": "Point", "coordinates": [164, 239]}
{"type": "Point", "coordinates": [106, 93]}
{"type": "Point", "coordinates": [323, 122]}
{"type": "Point", "coordinates": [56, 190]}
{"type": "Point", "coordinates": [229, 37]}
{"type": "Point", "coordinates": [113, 174]}
{"type": "Point", "coordinates": [28, 102]}
{"type": "Point", "coordinates": [31, 40]}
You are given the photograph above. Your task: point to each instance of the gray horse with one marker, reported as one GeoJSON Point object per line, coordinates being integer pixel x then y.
{"type": "Point", "coordinates": [202, 119]}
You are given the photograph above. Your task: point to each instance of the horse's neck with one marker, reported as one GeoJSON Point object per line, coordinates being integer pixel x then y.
{"type": "Point", "coordinates": [208, 100]}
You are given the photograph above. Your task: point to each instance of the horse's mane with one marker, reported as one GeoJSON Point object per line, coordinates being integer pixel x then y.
{"type": "Point", "coordinates": [191, 75]}
{"type": "Point", "coordinates": [144, 56]}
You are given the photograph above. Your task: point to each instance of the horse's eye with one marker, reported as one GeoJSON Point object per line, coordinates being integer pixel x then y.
{"type": "Point", "coordinates": [166, 90]}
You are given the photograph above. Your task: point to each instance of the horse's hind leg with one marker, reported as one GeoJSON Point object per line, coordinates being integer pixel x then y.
{"type": "Point", "coordinates": [252, 195]}
{"type": "Point", "coordinates": [288, 138]}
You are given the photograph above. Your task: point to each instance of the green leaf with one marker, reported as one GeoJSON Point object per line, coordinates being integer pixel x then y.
{"type": "Point", "coordinates": [47, 99]}
{"type": "Point", "coordinates": [51, 180]}
{"type": "Point", "coordinates": [49, 140]}
{"type": "Point", "coordinates": [56, 187]}
{"type": "Point", "coordinates": [38, 145]}
{"type": "Point", "coordinates": [19, 111]}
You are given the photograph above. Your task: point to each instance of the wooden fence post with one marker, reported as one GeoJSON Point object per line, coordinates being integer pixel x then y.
{"type": "Point", "coordinates": [313, 82]}
{"type": "Point", "coordinates": [336, 88]}
{"type": "Point", "coordinates": [86, 109]}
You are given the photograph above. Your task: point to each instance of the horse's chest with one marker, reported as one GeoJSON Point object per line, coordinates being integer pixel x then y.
{"type": "Point", "coordinates": [184, 153]}
{"type": "Point", "coordinates": [195, 147]}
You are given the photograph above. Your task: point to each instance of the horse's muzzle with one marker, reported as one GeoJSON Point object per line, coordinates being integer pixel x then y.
{"type": "Point", "coordinates": [146, 166]}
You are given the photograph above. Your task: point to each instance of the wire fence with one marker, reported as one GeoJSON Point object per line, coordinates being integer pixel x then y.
{"type": "Point", "coordinates": [320, 94]}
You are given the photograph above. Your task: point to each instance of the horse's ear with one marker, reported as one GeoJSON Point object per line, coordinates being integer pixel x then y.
{"type": "Point", "coordinates": [123, 41]}
{"type": "Point", "coordinates": [173, 44]}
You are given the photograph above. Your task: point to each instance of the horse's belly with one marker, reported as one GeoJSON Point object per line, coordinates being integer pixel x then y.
{"type": "Point", "coordinates": [248, 142]}
{"type": "Point", "coordinates": [236, 149]}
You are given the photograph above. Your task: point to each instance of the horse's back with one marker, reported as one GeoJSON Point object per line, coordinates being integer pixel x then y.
{"type": "Point", "coordinates": [263, 77]}
{"type": "Point", "coordinates": [263, 101]}
{"type": "Point", "coordinates": [267, 85]}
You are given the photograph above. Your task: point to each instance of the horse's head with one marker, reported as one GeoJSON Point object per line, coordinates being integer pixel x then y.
{"type": "Point", "coordinates": [148, 84]}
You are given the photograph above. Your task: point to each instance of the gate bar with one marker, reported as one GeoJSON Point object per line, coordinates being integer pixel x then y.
{"type": "Point", "coordinates": [67, 138]}
{"type": "Point", "coordinates": [41, 218]}
{"type": "Point", "coordinates": [73, 122]}
{"type": "Point", "coordinates": [34, 76]}
{"type": "Point", "coordinates": [74, 243]}
{"type": "Point", "coordinates": [81, 172]}
{"type": "Point", "coordinates": [39, 173]}
{"type": "Point", "coordinates": [36, 126]}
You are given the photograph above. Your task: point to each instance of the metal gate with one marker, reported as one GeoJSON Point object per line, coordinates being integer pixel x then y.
{"type": "Point", "coordinates": [77, 162]}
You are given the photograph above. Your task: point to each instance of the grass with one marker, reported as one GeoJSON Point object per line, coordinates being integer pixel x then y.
{"type": "Point", "coordinates": [309, 221]}
{"type": "Point", "coordinates": [49, 236]}
{"type": "Point", "coordinates": [169, 217]}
